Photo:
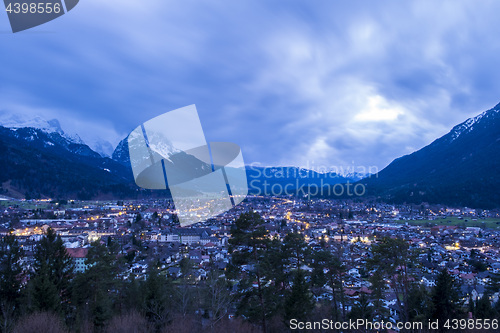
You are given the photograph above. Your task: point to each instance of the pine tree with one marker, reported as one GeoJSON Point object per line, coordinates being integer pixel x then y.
{"type": "Point", "coordinates": [446, 300]}
{"type": "Point", "coordinates": [44, 292]}
{"type": "Point", "coordinates": [483, 308]}
{"type": "Point", "coordinates": [362, 309]}
{"type": "Point", "coordinates": [419, 303]}
{"type": "Point", "coordinates": [132, 296]}
{"type": "Point", "coordinates": [158, 303]}
{"type": "Point", "coordinates": [296, 249]}
{"type": "Point", "coordinates": [391, 258]}
{"type": "Point", "coordinates": [248, 246]}
{"type": "Point", "coordinates": [493, 285]}
{"type": "Point", "coordinates": [11, 273]}
{"type": "Point", "coordinates": [496, 308]}
{"type": "Point", "coordinates": [92, 289]}
{"type": "Point", "coordinates": [138, 218]}
{"type": "Point", "coordinates": [328, 270]}
{"type": "Point", "coordinates": [378, 286]}
{"type": "Point", "coordinates": [274, 267]}
{"type": "Point", "coordinates": [299, 302]}
{"type": "Point", "coordinates": [53, 271]}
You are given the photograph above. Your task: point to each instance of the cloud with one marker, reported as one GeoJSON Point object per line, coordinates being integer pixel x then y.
{"type": "Point", "coordinates": [378, 109]}
{"type": "Point", "coordinates": [292, 82]}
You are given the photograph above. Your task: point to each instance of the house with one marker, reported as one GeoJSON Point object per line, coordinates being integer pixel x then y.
{"type": "Point", "coordinates": [195, 256]}
{"type": "Point", "coordinates": [186, 236]}
{"type": "Point", "coordinates": [79, 256]}
{"type": "Point", "coordinates": [174, 272]}
{"type": "Point", "coordinates": [354, 272]}
{"type": "Point", "coordinates": [428, 280]}
{"type": "Point", "coordinates": [468, 279]}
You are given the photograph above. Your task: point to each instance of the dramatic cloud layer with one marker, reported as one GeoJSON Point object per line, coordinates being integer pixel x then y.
{"type": "Point", "coordinates": [308, 83]}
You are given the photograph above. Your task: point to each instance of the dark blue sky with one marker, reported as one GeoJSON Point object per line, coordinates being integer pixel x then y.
{"type": "Point", "coordinates": [309, 83]}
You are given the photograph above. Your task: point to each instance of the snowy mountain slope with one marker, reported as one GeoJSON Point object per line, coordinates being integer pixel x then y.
{"type": "Point", "coordinates": [470, 123]}
{"type": "Point", "coordinates": [17, 121]}
{"type": "Point", "coordinates": [37, 164]}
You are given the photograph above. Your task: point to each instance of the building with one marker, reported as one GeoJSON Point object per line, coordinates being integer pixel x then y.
{"type": "Point", "coordinates": [79, 256]}
{"type": "Point", "coordinates": [186, 236]}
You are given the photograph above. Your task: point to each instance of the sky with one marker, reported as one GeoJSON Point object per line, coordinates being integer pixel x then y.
{"type": "Point", "coordinates": [320, 84]}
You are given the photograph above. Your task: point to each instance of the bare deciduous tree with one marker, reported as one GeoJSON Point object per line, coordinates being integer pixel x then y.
{"type": "Point", "coordinates": [41, 322]}
{"type": "Point", "coordinates": [131, 322]}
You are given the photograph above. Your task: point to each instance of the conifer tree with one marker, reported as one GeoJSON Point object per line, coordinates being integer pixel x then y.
{"type": "Point", "coordinates": [391, 258]}
{"type": "Point", "coordinates": [362, 309]}
{"type": "Point", "coordinates": [158, 302]}
{"type": "Point", "coordinates": [53, 270]}
{"type": "Point", "coordinates": [11, 274]}
{"type": "Point", "coordinates": [483, 308]}
{"type": "Point", "coordinates": [328, 270]}
{"type": "Point", "coordinates": [446, 300]}
{"type": "Point", "coordinates": [92, 290]}
{"type": "Point", "coordinates": [299, 302]}
{"type": "Point", "coordinates": [296, 249]}
{"type": "Point", "coordinates": [248, 246]}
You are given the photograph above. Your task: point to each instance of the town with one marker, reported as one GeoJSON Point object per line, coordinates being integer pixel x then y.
{"type": "Point", "coordinates": [463, 242]}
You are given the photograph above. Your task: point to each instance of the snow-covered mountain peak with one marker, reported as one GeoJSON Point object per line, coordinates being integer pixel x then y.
{"type": "Point", "coordinates": [467, 125]}
{"type": "Point", "coordinates": [20, 121]}
{"type": "Point", "coordinates": [17, 121]}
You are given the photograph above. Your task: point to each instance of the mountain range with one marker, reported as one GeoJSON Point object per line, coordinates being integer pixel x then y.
{"type": "Point", "coordinates": [459, 168]}
{"type": "Point", "coordinates": [259, 176]}
{"type": "Point", "coordinates": [97, 144]}
{"type": "Point", "coordinates": [35, 163]}
{"type": "Point", "coordinates": [38, 159]}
